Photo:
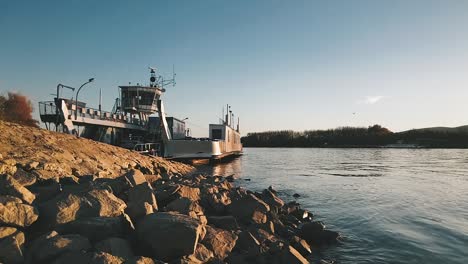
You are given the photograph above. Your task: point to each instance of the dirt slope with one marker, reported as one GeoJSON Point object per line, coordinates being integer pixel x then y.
{"type": "Point", "coordinates": [51, 154]}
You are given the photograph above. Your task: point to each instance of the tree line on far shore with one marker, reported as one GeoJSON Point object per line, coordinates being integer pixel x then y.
{"type": "Point", "coordinates": [372, 136]}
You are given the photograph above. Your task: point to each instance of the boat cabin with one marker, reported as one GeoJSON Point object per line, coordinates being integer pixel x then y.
{"type": "Point", "coordinates": [229, 135]}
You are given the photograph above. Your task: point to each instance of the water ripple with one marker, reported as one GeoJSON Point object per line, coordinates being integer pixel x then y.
{"type": "Point", "coordinates": [391, 205]}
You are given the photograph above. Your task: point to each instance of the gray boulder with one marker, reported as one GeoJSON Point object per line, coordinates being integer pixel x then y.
{"type": "Point", "coordinates": [106, 258]}
{"type": "Point", "coordinates": [316, 234]}
{"type": "Point", "coordinates": [45, 190]}
{"type": "Point", "coordinates": [227, 222]}
{"type": "Point", "coordinates": [15, 213]}
{"type": "Point", "coordinates": [150, 178]}
{"type": "Point", "coordinates": [116, 186]}
{"type": "Point", "coordinates": [71, 206]}
{"type": "Point", "coordinates": [220, 242]}
{"type": "Point", "coordinates": [191, 259]}
{"type": "Point", "coordinates": [134, 177]}
{"type": "Point", "coordinates": [9, 186]}
{"type": "Point", "coordinates": [46, 248]}
{"type": "Point", "coordinates": [188, 192]}
{"type": "Point", "coordinates": [165, 193]}
{"type": "Point", "coordinates": [168, 236]}
{"type": "Point", "coordinates": [247, 208]}
{"type": "Point", "coordinates": [115, 246]}
{"type": "Point", "coordinates": [74, 257]}
{"type": "Point", "coordinates": [185, 206]}
{"type": "Point", "coordinates": [99, 228]}
{"type": "Point", "coordinates": [300, 245]}
{"type": "Point", "coordinates": [141, 201]}
{"type": "Point", "coordinates": [203, 254]}
{"type": "Point", "coordinates": [269, 196]}
{"type": "Point", "coordinates": [247, 243]}
{"type": "Point", "coordinates": [290, 255]}
{"type": "Point", "coordinates": [215, 200]}
{"type": "Point", "coordinates": [11, 245]}
{"type": "Point", "coordinates": [24, 178]}
{"type": "Point", "coordinates": [145, 260]}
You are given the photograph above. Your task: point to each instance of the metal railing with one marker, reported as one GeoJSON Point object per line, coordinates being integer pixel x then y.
{"type": "Point", "coordinates": [48, 108]}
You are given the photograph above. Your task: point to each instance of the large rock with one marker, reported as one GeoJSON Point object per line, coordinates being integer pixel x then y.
{"type": "Point", "coordinates": [115, 246]}
{"type": "Point", "coordinates": [269, 196]}
{"type": "Point", "coordinates": [134, 177]}
{"type": "Point", "coordinates": [9, 186]}
{"type": "Point", "coordinates": [24, 178]}
{"type": "Point", "coordinates": [264, 237]}
{"type": "Point", "coordinates": [74, 257]}
{"type": "Point", "coordinates": [7, 199]}
{"type": "Point", "coordinates": [227, 222]}
{"type": "Point", "coordinates": [300, 245]}
{"type": "Point", "coordinates": [203, 254]}
{"type": "Point", "coordinates": [45, 190]}
{"type": "Point", "coordinates": [314, 233]}
{"type": "Point", "coordinates": [36, 244]}
{"type": "Point", "coordinates": [215, 200]}
{"type": "Point", "coordinates": [116, 186]}
{"type": "Point", "coordinates": [14, 213]}
{"type": "Point", "coordinates": [168, 193]}
{"type": "Point", "coordinates": [150, 178]}
{"type": "Point", "coordinates": [99, 228]}
{"type": "Point", "coordinates": [220, 242]}
{"type": "Point", "coordinates": [8, 166]}
{"type": "Point", "coordinates": [144, 260]}
{"type": "Point", "coordinates": [169, 235]}
{"type": "Point", "coordinates": [279, 227]}
{"type": "Point", "coordinates": [165, 193]}
{"type": "Point", "coordinates": [188, 192]}
{"type": "Point", "coordinates": [290, 255]}
{"type": "Point", "coordinates": [69, 180]}
{"type": "Point", "coordinates": [141, 201]}
{"type": "Point", "coordinates": [247, 208]}
{"type": "Point", "coordinates": [71, 206]}
{"type": "Point", "coordinates": [185, 206]}
{"type": "Point", "coordinates": [46, 248]}
{"type": "Point", "coordinates": [247, 243]}
{"type": "Point", "coordinates": [11, 245]}
{"type": "Point", "coordinates": [191, 259]}
{"type": "Point", "coordinates": [47, 174]}
{"type": "Point", "coordinates": [301, 214]}
{"type": "Point", "coordinates": [106, 258]}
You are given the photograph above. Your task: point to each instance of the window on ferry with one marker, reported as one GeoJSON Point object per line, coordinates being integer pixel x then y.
{"type": "Point", "coordinates": [216, 133]}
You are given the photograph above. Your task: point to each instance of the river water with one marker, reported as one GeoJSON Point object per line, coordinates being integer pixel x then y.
{"type": "Point", "coordinates": [390, 205]}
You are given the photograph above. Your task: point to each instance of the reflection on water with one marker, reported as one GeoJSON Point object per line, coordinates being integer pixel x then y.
{"type": "Point", "coordinates": [233, 167]}
{"type": "Point", "coordinates": [392, 205]}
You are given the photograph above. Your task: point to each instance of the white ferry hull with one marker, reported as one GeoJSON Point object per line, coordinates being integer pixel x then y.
{"type": "Point", "coordinates": [199, 149]}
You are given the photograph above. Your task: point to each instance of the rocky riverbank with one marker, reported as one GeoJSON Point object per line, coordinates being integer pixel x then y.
{"type": "Point", "coordinates": [69, 200]}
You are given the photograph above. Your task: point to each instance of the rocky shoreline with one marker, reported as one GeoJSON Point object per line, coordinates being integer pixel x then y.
{"type": "Point", "coordinates": [117, 206]}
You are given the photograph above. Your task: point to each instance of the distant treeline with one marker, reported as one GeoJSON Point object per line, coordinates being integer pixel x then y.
{"type": "Point", "coordinates": [373, 136]}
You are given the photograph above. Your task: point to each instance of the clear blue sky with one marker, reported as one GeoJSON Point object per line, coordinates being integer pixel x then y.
{"type": "Point", "coordinates": [280, 64]}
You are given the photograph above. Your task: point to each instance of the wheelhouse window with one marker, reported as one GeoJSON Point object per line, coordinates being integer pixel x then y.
{"type": "Point", "coordinates": [216, 134]}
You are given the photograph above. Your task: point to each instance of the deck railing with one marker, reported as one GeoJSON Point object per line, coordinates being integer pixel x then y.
{"type": "Point", "coordinates": [48, 108]}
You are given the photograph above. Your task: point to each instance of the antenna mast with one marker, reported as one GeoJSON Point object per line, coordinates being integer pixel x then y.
{"type": "Point", "coordinates": [158, 80]}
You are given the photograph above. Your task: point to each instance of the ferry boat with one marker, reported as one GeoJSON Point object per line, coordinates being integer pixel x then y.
{"type": "Point", "coordinates": [224, 141]}
{"type": "Point", "coordinates": [130, 122]}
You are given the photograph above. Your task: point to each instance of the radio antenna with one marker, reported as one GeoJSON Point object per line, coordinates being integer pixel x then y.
{"type": "Point", "coordinates": [173, 75]}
